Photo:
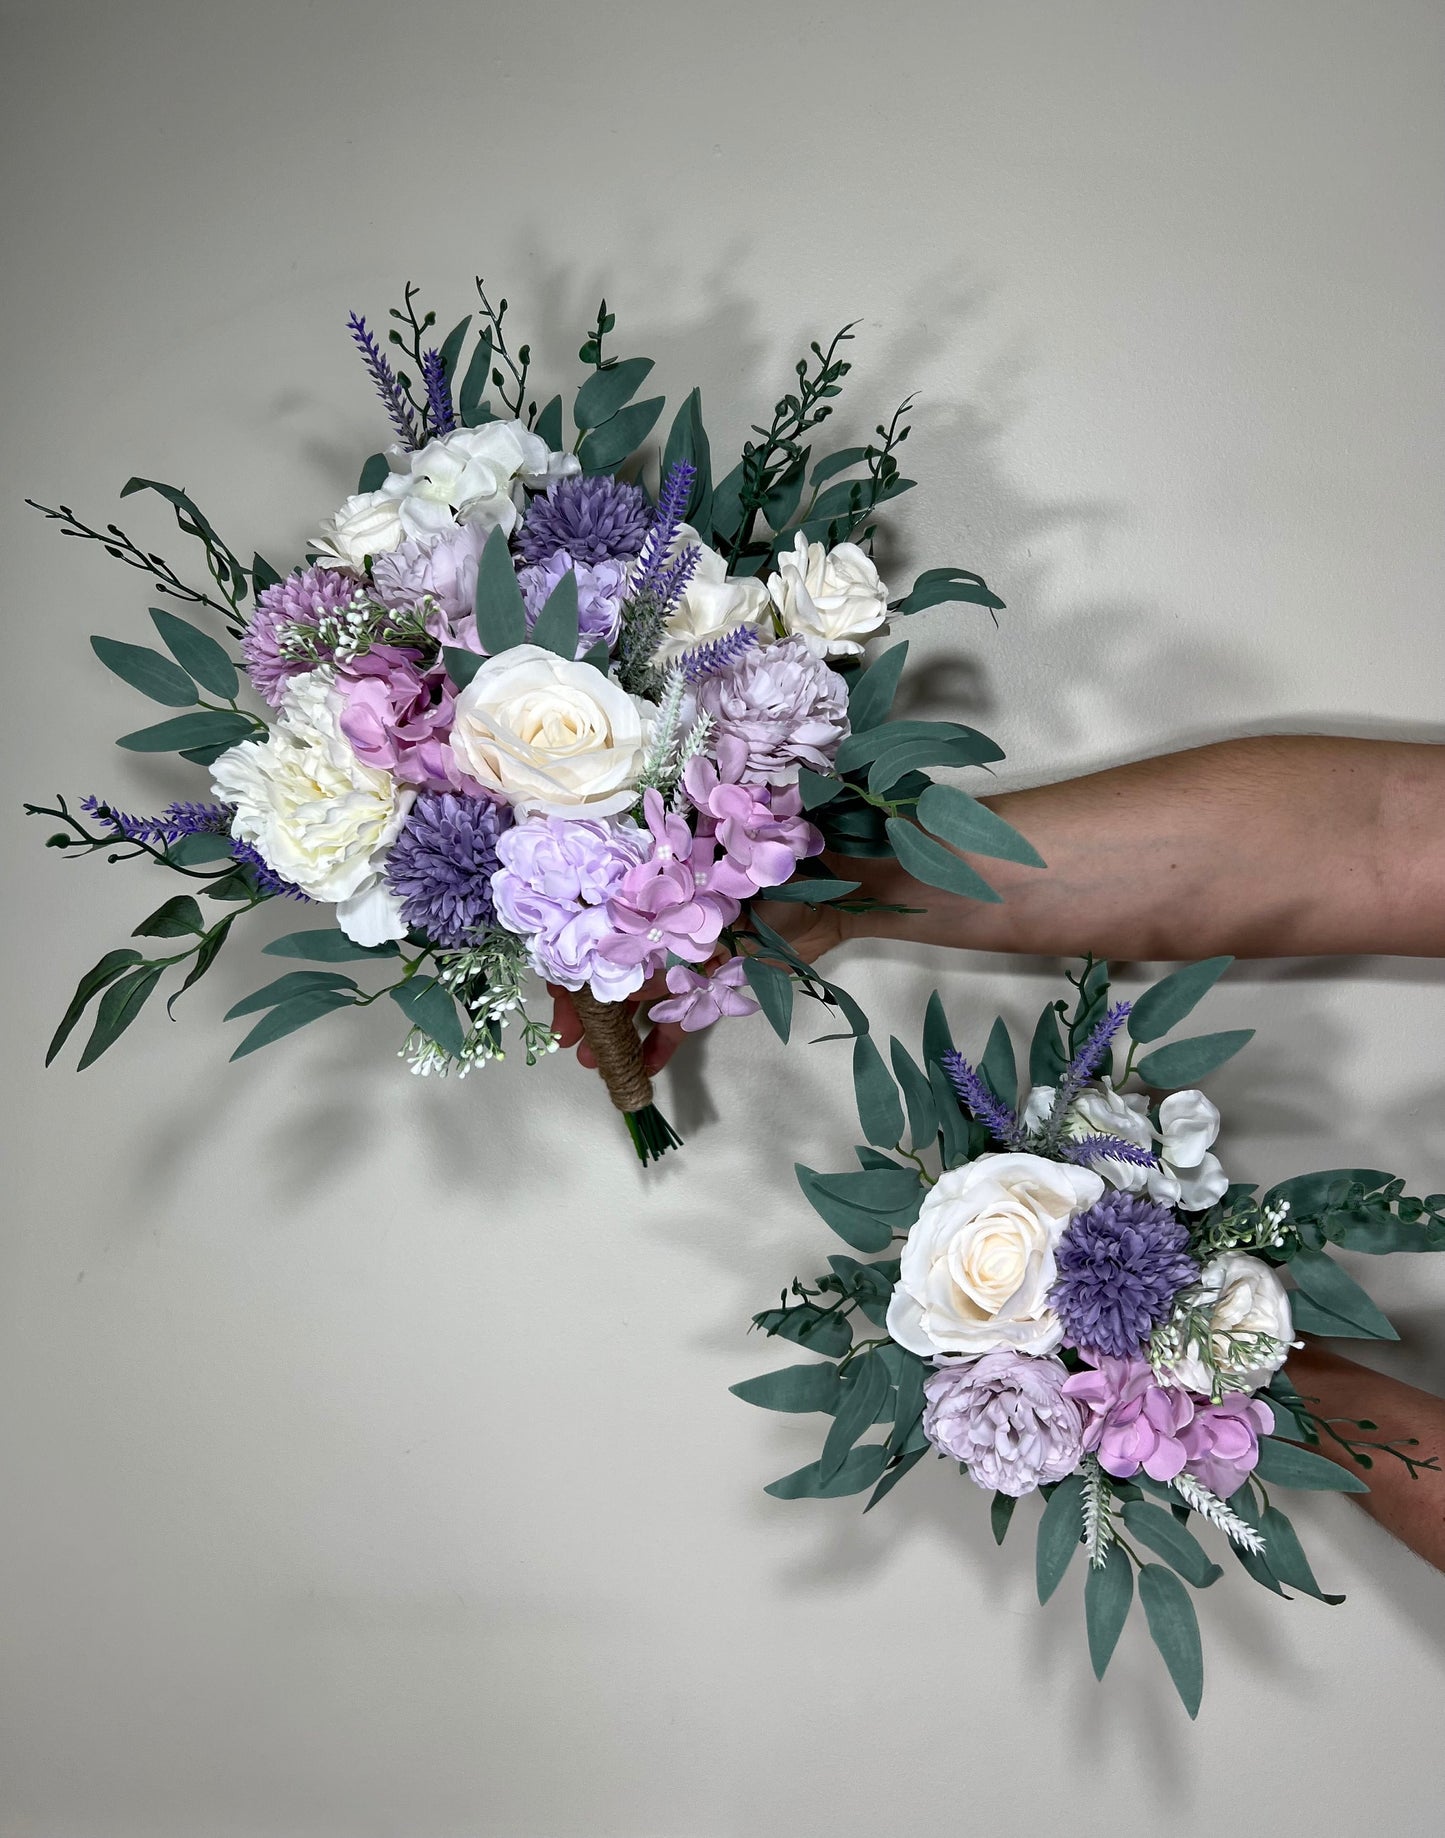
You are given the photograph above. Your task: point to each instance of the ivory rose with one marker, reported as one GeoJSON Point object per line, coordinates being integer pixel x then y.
{"type": "Point", "coordinates": [367, 524]}
{"type": "Point", "coordinates": [831, 598]}
{"type": "Point", "coordinates": [1251, 1328]}
{"type": "Point", "coordinates": [979, 1262]}
{"type": "Point", "coordinates": [550, 735]}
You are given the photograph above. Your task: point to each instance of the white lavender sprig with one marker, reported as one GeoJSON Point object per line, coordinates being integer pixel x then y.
{"type": "Point", "coordinates": [1199, 1499]}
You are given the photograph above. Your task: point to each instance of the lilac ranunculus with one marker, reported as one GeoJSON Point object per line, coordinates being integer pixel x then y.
{"type": "Point", "coordinates": [777, 709]}
{"type": "Point", "coordinates": [600, 590]}
{"type": "Point", "coordinates": [658, 906]}
{"type": "Point", "coordinates": [1007, 1417]}
{"type": "Point", "coordinates": [552, 889]}
{"type": "Point", "coordinates": [398, 715]}
{"type": "Point", "coordinates": [1132, 1421]}
{"type": "Point", "coordinates": [759, 831]}
{"type": "Point", "coordinates": [301, 599]}
{"type": "Point", "coordinates": [697, 1001]}
{"type": "Point", "coordinates": [1221, 1441]}
{"type": "Point", "coordinates": [442, 568]}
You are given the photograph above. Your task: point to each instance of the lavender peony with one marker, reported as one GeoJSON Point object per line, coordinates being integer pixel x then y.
{"type": "Point", "coordinates": [777, 709]}
{"type": "Point", "coordinates": [600, 589]}
{"type": "Point", "coordinates": [1007, 1418]}
{"type": "Point", "coordinates": [441, 568]}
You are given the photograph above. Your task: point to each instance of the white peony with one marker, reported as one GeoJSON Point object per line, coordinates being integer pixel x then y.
{"type": "Point", "coordinates": [367, 524]}
{"type": "Point", "coordinates": [712, 603]}
{"type": "Point", "coordinates": [1187, 1174]}
{"type": "Point", "coordinates": [551, 735]}
{"type": "Point", "coordinates": [473, 476]}
{"type": "Point", "coordinates": [317, 815]}
{"type": "Point", "coordinates": [979, 1262]}
{"type": "Point", "coordinates": [832, 598]}
{"type": "Point", "coordinates": [1246, 1303]}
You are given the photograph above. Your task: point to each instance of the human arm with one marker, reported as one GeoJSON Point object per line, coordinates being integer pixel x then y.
{"type": "Point", "coordinates": [1406, 1498]}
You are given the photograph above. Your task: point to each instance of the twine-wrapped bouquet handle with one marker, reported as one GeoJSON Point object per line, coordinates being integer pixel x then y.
{"type": "Point", "coordinates": [610, 1029]}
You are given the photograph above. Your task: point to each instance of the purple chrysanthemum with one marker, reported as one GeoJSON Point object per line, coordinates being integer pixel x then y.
{"type": "Point", "coordinates": [442, 863]}
{"type": "Point", "coordinates": [594, 519]}
{"type": "Point", "coordinates": [1120, 1265]}
{"type": "Point", "coordinates": [301, 599]}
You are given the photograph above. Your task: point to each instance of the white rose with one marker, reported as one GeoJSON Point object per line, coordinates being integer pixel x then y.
{"type": "Point", "coordinates": [471, 476]}
{"type": "Point", "coordinates": [832, 598]}
{"type": "Point", "coordinates": [551, 735]}
{"type": "Point", "coordinates": [317, 815]}
{"type": "Point", "coordinates": [1186, 1175]}
{"type": "Point", "coordinates": [712, 603]}
{"type": "Point", "coordinates": [1099, 1110]}
{"type": "Point", "coordinates": [1244, 1299]}
{"type": "Point", "coordinates": [979, 1262]}
{"type": "Point", "coordinates": [367, 524]}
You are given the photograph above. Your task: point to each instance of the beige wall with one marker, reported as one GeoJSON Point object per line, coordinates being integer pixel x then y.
{"type": "Point", "coordinates": [366, 1460]}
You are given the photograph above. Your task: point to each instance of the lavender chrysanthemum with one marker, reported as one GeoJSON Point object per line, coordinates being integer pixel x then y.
{"type": "Point", "coordinates": [301, 599]}
{"type": "Point", "coordinates": [442, 863]}
{"type": "Point", "coordinates": [1120, 1265]}
{"type": "Point", "coordinates": [594, 519]}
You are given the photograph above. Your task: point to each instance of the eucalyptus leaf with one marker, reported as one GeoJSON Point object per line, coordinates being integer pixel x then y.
{"type": "Point", "coordinates": [548, 426]}
{"type": "Point", "coordinates": [864, 1230]}
{"type": "Point", "coordinates": [146, 670]}
{"type": "Point", "coordinates": [1108, 1593]}
{"type": "Point", "coordinates": [432, 1008]}
{"type": "Point", "coordinates": [1060, 1530]}
{"type": "Point", "coordinates": [1336, 1291]}
{"type": "Point", "coordinates": [373, 474]}
{"type": "Point", "coordinates": [608, 445]}
{"type": "Point", "coordinates": [119, 1006]}
{"type": "Point", "coordinates": [774, 989]}
{"type": "Point", "coordinates": [917, 1096]}
{"type": "Point", "coordinates": [1174, 1629]}
{"type": "Point", "coordinates": [1000, 1515]}
{"type": "Point", "coordinates": [1047, 1059]}
{"type": "Point", "coordinates": [1186, 1062]}
{"type": "Point", "coordinates": [451, 347]}
{"type": "Point", "coordinates": [812, 1387]}
{"type": "Point", "coordinates": [501, 611]}
{"type": "Point", "coordinates": [1286, 1559]}
{"type": "Point", "coordinates": [859, 1471]}
{"type": "Point", "coordinates": [471, 397]}
{"type": "Point", "coordinates": [687, 440]}
{"type": "Point", "coordinates": [287, 1017]}
{"type": "Point", "coordinates": [286, 988]}
{"type": "Point", "coordinates": [894, 1474]}
{"type": "Point", "coordinates": [879, 1110]}
{"type": "Point", "coordinates": [955, 818]}
{"type": "Point", "coordinates": [937, 1036]}
{"type": "Point", "coordinates": [556, 627]}
{"type": "Point", "coordinates": [197, 653]}
{"type": "Point", "coordinates": [915, 756]}
{"type": "Point", "coordinates": [951, 1121]}
{"type": "Point", "coordinates": [208, 728]}
{"type": "Point", "coordinates": [870, 696]}
{"type": "Point", "coordinates": [997, 1068]}
{"type": "Point", "coordinates": [1285, 1464]}
{"type": "Point", "coordinates": [855, 1414]}
{"type": "Point", "coordinates": [325, 945]}
{"type": "Point", "coordinates": [1179, 1548]}
{"type": "Point", "coordinates": [810, 890]}
{"type": "Point", "coordinates": [606, 391]}
{"type": "Point", "coordinates": [1165, 1005]}
{"type": "Point", "coordinates": [461, 665]}
{"type": "Point", "coordinates": [928, 861]}
{"type": "Point", "coordinates": [860, 748]}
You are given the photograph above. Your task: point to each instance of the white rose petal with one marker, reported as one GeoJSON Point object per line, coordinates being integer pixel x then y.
{"type": "Point", "coordinates": [551, 735]}
{"type": "Point", "coordinates": [318, 816]}
{"type": "Point", "coordinates": [831, 598]}
{"type": "Point", "coordinates": [373, 916]}
{"type": "Point", "coordinates": [978, 1265]}
{"type": "Point", "coordinates": [1201, 1186]}
{"type": "Point", "coordinates": [367, 524]}
{"type": "Point", "coordinates": [1188, 1125]}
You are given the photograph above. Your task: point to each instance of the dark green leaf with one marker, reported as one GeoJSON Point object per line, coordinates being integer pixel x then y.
{"type": "Point", "coordinates": [430, 1007]}
{"type": "Point", "coordinates": [1166, 1004]}
{"type": "Point", "coordinates": [810, 890]}
{"type": "Point", "coordinates": [1311, 1193]}
{"type": "Point", "coordinates": [997, 1068]}
{"type": "Point", "coordinates": [606, 391]}
{"type": "Point", "coordinates": [860, 1470]}
{"type": "Point", "coordinates": [937, 1037]}
{"type": "Point", "coordinates": [288, 1016]}
{"type": "Point", "coordinates": [687, 440]}
{"type": "Point", "coordinates": [792, 1388]}
{"type": "Point", "coordinates": [119, 1006]}
{"type": "Point", "coordinates": [1286, 1559]}
{"type": "Point", "coordinates": [1174, 1629]}
{"type": "Point", "coordinates": [879, 1110]}
{"type": "Point", "coordinates": [197, 653]}
{"type": "Point", "coordinates": [774, 989]}
{"type": "Point", "coordinates": [935, 585]}
{"type": "Point", "coordinates": [1060, 1529]}
{"type": "Point", "coordinates": [325, 945]}
{"type": "Point", "coordinates": [782, 499]}
{"type": "Point", "coordinates": [951, 1120]}
{"type": "Point", "coordinates": [208, 728]}
{"type": "Point", "coordinates": [146, 670]}
{"type": "Point", "coordinates": [1168, 1539]}
{"type": "Point", "coordinates": [1283, 1464]}
{"type": "Point", "coordinates": [1186, 1062]}
{"type": "Point", "coordinates": [471, 397]}
{"type": "Point", "coordinates": [866, 745]}
{"type": "Point", "coordinates": [1108, 1592]}
{"type": "Point", "coordinates": [888, 1189]}
{"type": "Point", "coordinates": [954, 817]}
{"type": "Point", "coordinates": [461, 665]}
{"type": "Point", "coordinates": [916, 755]}
{"type": "Point", "coordinates": [111, 966]}
{"type": "Point", "coordinates": [207, 953]}
{"type": "Point", "coordinates": [451, 347]}
{"type": "Point", "coordinates": [865, 1231]}
{"type": "Point", "coordinates": [819, 1332]}
{"type": "Point", "coordinates": [373, 474]}
{"type": "Point", "coordinates": [549, 424]}
{"type": "Point", "coordinates": [263, 575]}
{"type": "Point", "coordinates": [727, 512]}
{"type": "Point", "coordinates": [287, 988]}
{"type": "Point", "coordinates": [556, 627]}
{"type": "Point", "coordinates": [907, 1399]}
{"type": "Point", "coordinates": [1000, 1515]}
{"type": "Point", "coordinates": [917, 1095]}
{"type": "Point", "coordinates": [178, 918]}
{"type": "Point", "coordinates": [198, 848]}
{"type": "Point", "coordinates": [1334, 1290]}
{"type": "Point", "coordinates": [834, 463]}
{"type": "Point", "coordinates": [607, 446]}
{"type": "Point", "coordinates": [871, 695]}
{"type": "Point", "coordinates": [1047, 1059]}
{"type": "Point", "coordinates": [501, 611]}
{"type": "Point", "coordinates": [856, 1412]}
{"type": "Point", "coordinates": [816, 789]}
{"type": "Point", "coordinates": [928, 861]}
{"type": "Point", "coordinates": [893, 1475]}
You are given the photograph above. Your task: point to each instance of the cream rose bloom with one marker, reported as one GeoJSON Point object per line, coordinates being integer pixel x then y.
{"type": "Point", "coordinates": [551, 735]}
{"type": "Point", "coordinates": [979, 1262]}
{"type": "Point", "coordinates": [317, 815]}
{"type": "Point", "coordinates": [1244, 1298]}
{"type": "Point", "coordinates": [831, 598]}
{"type": "Point", "coordinates": [712, 604]}
{"type": "Point", "coordinates": [472, 476]}
{"type": "Point", "coordinates": [367, 524]}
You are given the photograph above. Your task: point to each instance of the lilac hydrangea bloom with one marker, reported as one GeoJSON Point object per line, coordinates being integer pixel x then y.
{"type": "Point", "coordinates": [1222, 1441]}
{"type": "Point", "coordinates": [697, 1001]}
{"type": "Point", "coordinates": [594, 519]}
{"type": "Point", "coordinates": [1120, 1264]}
{"type": "Point", "coordinates": [600, 590]}
{"type": "Point", "coordinates": [441, 568]}
{"type": "Point", "coordinates": [1007, 1417]}
{"type": "Point", "coordinates": [301, 599]}
{"type": "Point", "coordinates": [777, 709]}
{"type": "Point", "coordinates": [552, 889]}
{"type": "Point", "coordinates": [441, 865]}
{"type": "Point", "coordinates": [1131, 1420]}
{"type": "Point", "coordinates": [657, 907]}
{"type": "Point", "coordinates": [759, 831]}
{"type": "Point", "coordinates": [398, 715]}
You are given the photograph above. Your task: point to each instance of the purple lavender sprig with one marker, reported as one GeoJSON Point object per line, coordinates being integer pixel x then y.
{"type": "Point", "coordinates": [1089, 1149]}
{"type": "Point", "coordinates": [384, 377]}
{"type": "Point", "coordinates": [717, 655]}
{"type": "Point", "coordinates": [657, 579]}
{"type": "Point", "coordinates": [1082, 1067]}
{"type": "Point", "coordinates": [996, 1117]}
{"type": "Point", "coordinates": [178, 820]}
{"type": "Point", "coordinates": [438, 394]}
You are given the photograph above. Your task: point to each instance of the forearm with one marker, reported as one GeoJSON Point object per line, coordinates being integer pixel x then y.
{"type": "Point", "coordinates": [1288, 846]}
{"type": "Point", "coordinates": [1410, 1506]}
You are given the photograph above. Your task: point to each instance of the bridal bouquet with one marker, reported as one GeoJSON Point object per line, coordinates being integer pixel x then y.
{"type": "Point", "coordinates": [1079, 1303]}
{"type": "Point", "coordinates": [512, 715]}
